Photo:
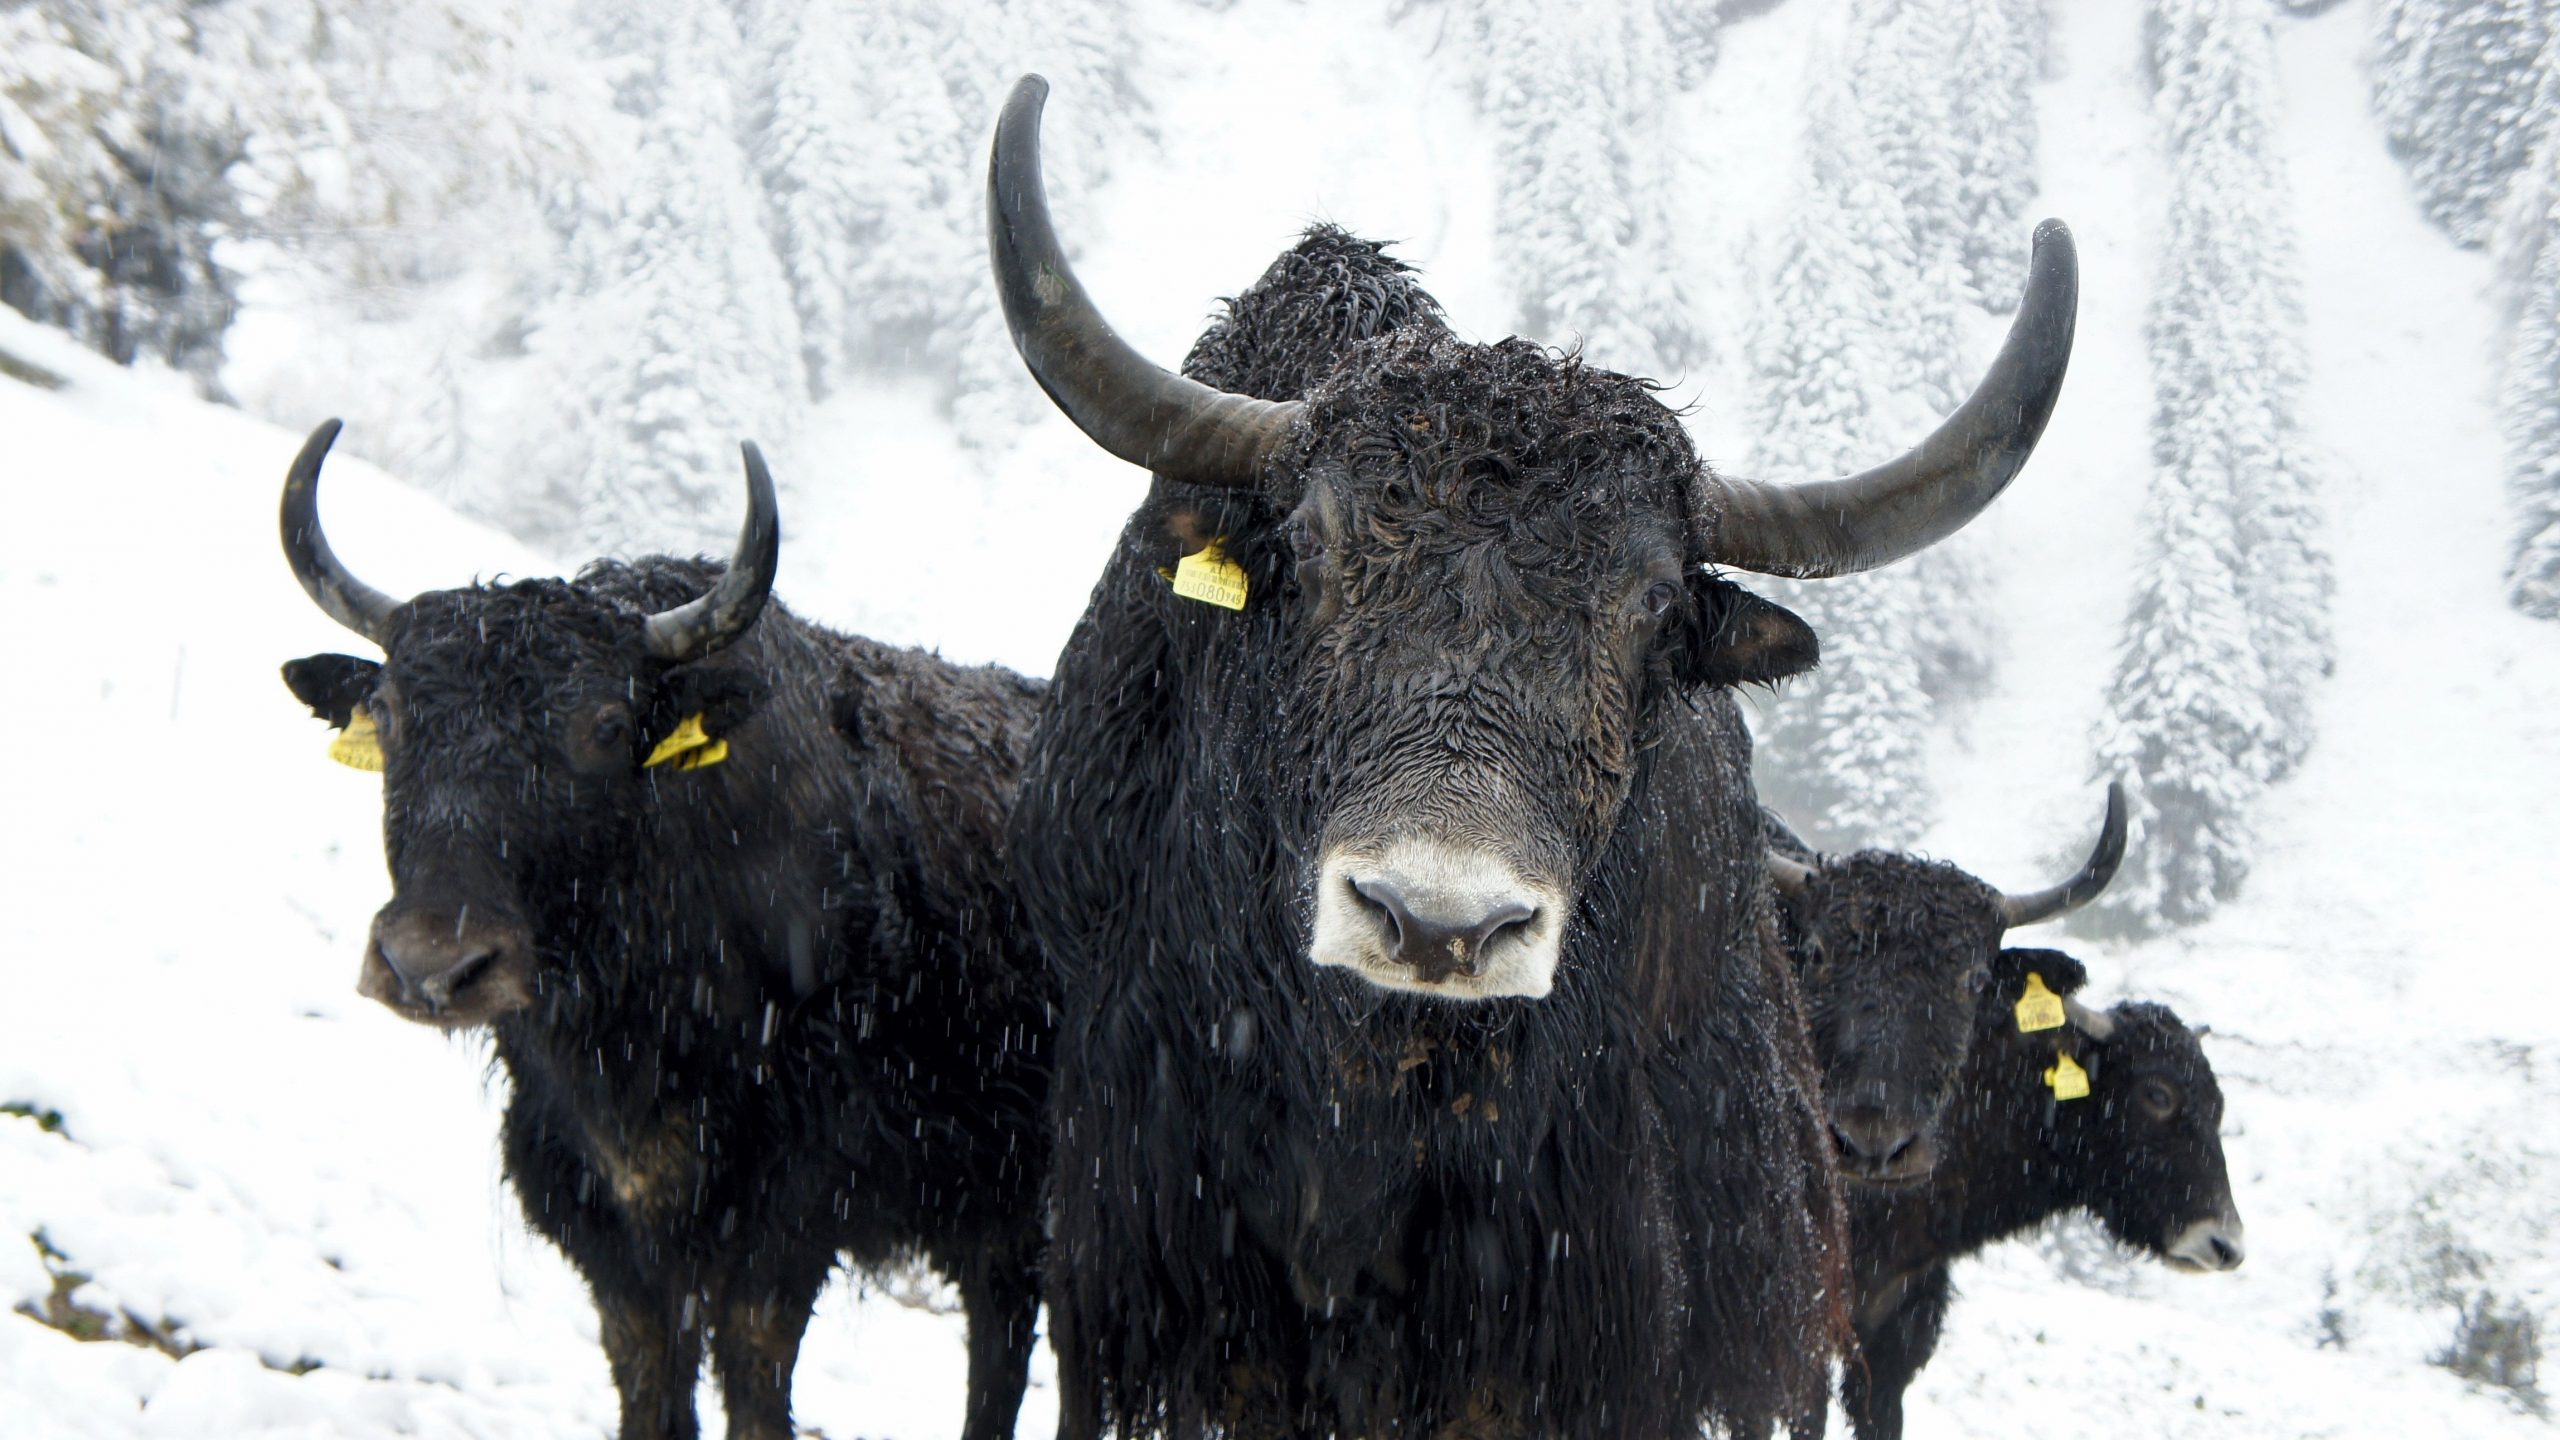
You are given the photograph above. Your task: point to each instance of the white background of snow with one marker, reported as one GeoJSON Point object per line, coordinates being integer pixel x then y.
{"type": "Point", "coordinates": [288, 1173]}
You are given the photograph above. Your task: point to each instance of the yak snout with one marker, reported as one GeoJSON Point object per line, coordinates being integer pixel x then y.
{"type": "Point", "coordinates": [1436, 919]}
{"type": "Point", "coordinates": [449, 968]}
{"type": "Point", "coordinates": [1878, 1147]}
{"type": "Point", "coordinates": [2219, 1243]}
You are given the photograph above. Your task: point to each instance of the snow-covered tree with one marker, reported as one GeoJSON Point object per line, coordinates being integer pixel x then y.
{"type": "Point", "coordinates": [1577, 94]}
{"type": "Point", "coordinates": [2184, 724]}
{"type": "Point", "coordinates": [2531, 399]}
{"type": "Point", "coordinates": [2454, 85]}
{"type": "Point", "coordinates": [1843, 750]}
{"type": "Point", "coordinates": [1951, 86]}
{"type": "Point", "coordinates": [115, 179]}
{"type": "Point", "coordinates": [2229, 630]}
{"type": "Point", "coordinates": [1694, 29]}
{"type": "Point", "coordinates": [870, 146]}
{"type": "Point", "coordinates": [684, 340]}
{"type": "Point", "coordinates": [411, 174]}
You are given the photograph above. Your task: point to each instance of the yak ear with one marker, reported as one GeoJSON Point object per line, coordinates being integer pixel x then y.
{"type": "Point", "coordinates": [725, 696]}
{"type": "Point", "coordinates": [1737, 638]}
{"type": "Point", "coordinates": [2062, 974]}
{"type": "Point", "coordinates": [332, 685]}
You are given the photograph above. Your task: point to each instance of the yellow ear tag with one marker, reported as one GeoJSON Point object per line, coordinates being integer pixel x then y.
{"type": "Point", "coordinates": [688, 748]}
{"type": "Point", "coordinates": [2068, 1080]}
{"type": "Point", "coordinates": [1210, 576]}
{"type": "Point", "coordinates": [2038, 1008]}
{"type": "Point", "coordinates": [357, 747]}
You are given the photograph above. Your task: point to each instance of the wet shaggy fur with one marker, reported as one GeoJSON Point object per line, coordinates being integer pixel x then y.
{"type": "Point", "coordinates": [2012, 1157]}
{"type": "Point", "coordinates": [782, 1008]}
{"type": "Point", "coordinates": [1287, 1202]}
{"type": "Point", "coordinates": [1891, 951]}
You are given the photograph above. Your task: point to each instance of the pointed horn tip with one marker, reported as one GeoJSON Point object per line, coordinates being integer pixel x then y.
{"type": "Point", "coordinates": [2051, 231]}
{"type": "Point", "coordinates": [315, 448]}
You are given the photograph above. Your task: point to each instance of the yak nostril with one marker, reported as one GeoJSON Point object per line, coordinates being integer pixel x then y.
{"type": "Point", "coordinates": [2226, 1254]}
{"type": "Point", "coordinates": [1509, 914]}
{"type": "Point", "coordinates": [1384, 898]}
{"type": "Point", "coordinates": [459, 978]}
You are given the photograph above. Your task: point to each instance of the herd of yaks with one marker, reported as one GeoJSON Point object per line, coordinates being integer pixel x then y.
{"type": "Point", "coordinates": [1361, 993]}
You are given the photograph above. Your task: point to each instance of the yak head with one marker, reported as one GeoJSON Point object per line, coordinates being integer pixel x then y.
{"type": "Point", "coordinates": [1501, 561]}
{"type": "Point", "coordinates": [2143, 1148]}
{"type": "Point", "coordinates": [1893, 954]}
{"type": "Point", "coordinates": [515, 726]}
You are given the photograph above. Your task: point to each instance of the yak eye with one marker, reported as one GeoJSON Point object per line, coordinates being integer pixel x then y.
{"type": "Point", "coordinates": [1659, 597]}
{"type": "Point", "coordinates": [1302, 538]}
{"type": "Point", "coordinates": [613, 727]}
{"type": "Point", "coordinates": [2158, 1098]}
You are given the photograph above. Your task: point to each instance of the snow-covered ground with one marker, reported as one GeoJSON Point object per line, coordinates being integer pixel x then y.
{"type": "Point", "coordinates": [253, 1161]}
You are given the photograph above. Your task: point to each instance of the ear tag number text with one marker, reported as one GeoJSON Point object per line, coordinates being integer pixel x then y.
{"type": "Point", "coordinates": [2038, 1008]}
{"type": "Point", "coordinates": [1210, 577]}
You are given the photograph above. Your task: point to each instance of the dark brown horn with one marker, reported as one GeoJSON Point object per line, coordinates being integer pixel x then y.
{"type": "Point", "coordinates": [1138, 411]}
{"type": "Point", "coordinates": [1840, 527]}
{"type": "Point", "coordinates": [2082, 888]}
{"type": "Point", "coordinates": [338, 593]}
{"type": "Point", "coordinates": [698, 627]}
{"type": "Point", "coordinates": [1792, 876]}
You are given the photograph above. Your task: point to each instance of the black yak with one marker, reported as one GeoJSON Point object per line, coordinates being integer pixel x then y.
{"type": "Point", "coordinates": [1427, 1065]}
{"type": "Point", "coordinates": [752, 1013]}
{"type": "Point", "coordinates": [1890, 951]}
{"type": "Point", "coordinates": [2114, 1112]}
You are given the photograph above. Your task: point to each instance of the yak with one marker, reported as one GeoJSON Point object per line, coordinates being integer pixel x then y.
{"type": "Point", "coordinates": [1890, 950]}
{"type": "Point", "coordinates": [2115, 1112]}
{"type": "Point", "coordinates": [758, 992]}
{"type": "Point", "coordinates": [1427, 1064]}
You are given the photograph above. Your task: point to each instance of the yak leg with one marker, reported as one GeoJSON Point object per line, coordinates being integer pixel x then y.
{"type": "Point", "coordinates": [1001, 1292]}
{"type": "Point", "coordinates": [1891, 1351]}
{"type": "Point", "coordinates": [655, 1348]}
{"type": "Point", "coordinates": [1079, 1391]}
{"type": "Point", "coordinates": [757, 1318]}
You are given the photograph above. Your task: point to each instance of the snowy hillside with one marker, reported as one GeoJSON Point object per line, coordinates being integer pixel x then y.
{"type": "Point", "coordinates": [289, 1199]}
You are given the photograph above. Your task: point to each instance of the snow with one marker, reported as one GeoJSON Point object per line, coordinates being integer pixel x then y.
{"type": "Point", "coordinates": [257, 1162]}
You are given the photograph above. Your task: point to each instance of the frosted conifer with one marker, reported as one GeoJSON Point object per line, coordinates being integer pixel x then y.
{"type": "Point", "coordinates": [2228, 631]}
{"type": "Point", "coordinates": [2454, 85]}
{"type": "Point", "coordinates": [2531, 401]}
{"type": "Point", "coordinates": [1692, 28]}
{"type": "Point", "coordinates": [116, 160]}
{"type": "Point", "coordinates": [1577, 93]}
{"type": "Point", "coordinates": [687, 342]}
{"type": "Point", "coordinates": [1843, 751]}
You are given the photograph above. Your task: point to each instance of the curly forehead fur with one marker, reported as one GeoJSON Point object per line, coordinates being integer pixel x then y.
{"type": "Point", "coordinates": [1285, 334]}
{"type": "Point", "coordinates": [546, 625]}
{"type": "Point", "coordinates": [1884, 898]}
{"type": "Point", "coordinates": [1489, 434]}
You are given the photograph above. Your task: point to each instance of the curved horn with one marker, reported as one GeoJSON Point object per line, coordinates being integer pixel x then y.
{"type": "Point", "coordinates": [2096, 1024]}
{"type": "Point", "coordinates": [698, 627]}
{"type": "Point", "coordinates": [331, 586]}
{"type": "Point", "coordinates": [1791, 875]}
{"type": "Point", "coordinates": [2082, 888]}
{"type": "Point", "coordinates": [1839, 527]}
{"type": "Point", "coordinates": [1138, 411]}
